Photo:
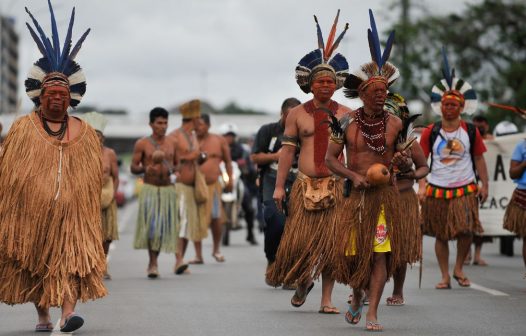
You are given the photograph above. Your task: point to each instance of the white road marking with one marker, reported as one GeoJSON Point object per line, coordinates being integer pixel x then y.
{"type": "Point", "coordinates": [488, 290]}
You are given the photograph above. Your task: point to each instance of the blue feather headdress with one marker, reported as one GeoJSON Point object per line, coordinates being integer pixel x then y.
{"type": "Point", "coordinates": [377, 70]}
{"type": "Point", "coordinates": [452, 87]}
{"type": "Point", "coordinates": [56, 66]}
{"type": "Point", "coordinates": [319, 61]}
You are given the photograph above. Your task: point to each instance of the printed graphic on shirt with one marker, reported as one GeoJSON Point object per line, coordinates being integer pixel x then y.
{"type": "Point", "coordinates": [450, 151]}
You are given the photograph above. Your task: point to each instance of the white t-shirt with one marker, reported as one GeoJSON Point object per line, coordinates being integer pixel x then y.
{"type": "Point", "coordinates": [452, 165]}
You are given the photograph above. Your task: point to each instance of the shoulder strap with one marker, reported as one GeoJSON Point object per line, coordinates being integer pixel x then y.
{"type": "Point", "coordinates": [187, 137]}
{"type": "Point", "coordinates": [472, 135]}
{"type": "Point", "coordinates": [435, 132]}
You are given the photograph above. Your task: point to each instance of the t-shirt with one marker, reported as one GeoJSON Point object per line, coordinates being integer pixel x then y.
{"type": "Point", "coordinates": [452, 164]}
{"type": "Point", "coordinates": [519, 155]}
{"type": "Point", "coordinates": [268, 140]}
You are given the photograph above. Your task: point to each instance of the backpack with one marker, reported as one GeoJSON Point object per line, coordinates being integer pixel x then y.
{"type": "Point", "coordinates": [472, 133]}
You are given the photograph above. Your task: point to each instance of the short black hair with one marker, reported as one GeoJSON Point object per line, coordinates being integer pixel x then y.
{"type": "Point", "coordinates": [289, 103]}
{"type": "Point", "coordinates": [206, 118]}
{"type": "Point", "coordinates": [157, 112]}
{"type": "Point", "coordinates": [480, 118]}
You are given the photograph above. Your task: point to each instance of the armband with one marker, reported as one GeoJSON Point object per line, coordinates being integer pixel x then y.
{"type": "Point", "coordinates": [287, 140]}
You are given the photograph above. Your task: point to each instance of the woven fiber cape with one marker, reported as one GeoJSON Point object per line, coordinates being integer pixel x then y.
{"type": "Point", "coordinates": [50, 222]}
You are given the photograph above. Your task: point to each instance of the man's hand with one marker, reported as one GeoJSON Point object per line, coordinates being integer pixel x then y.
{"type": "Point", "coordinates": [359, 182]}
{"type": "Point", "coordinates": [279, 197]}
{"type": "Point", "coordinates": [421, 193]}
{"type": "Point", "coordinates": [408, 175]}
{"type": "Point", "coordinates": [402, 160]}
{"type": "Point", "coordinates": [482, 193]}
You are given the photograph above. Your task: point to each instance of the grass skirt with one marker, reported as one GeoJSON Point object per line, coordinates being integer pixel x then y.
{"type": "Point", "coordinates": [515, 216]}
{"type": "Point", "coordinates": [359, 218]}
{"type": "Point", "coordinates": [446, 219]}
{"type": "Point", "coordinates": [410, 227]}
{"type": "Point", "coordinates": [50, 223]}
{"type": "Point", "coordinates": [157, 225]}
{"type": "Point", "coordinates": [110, 229]}
{"type": "Point", "coordinates": [190, 216]}
{"type": "Point", "coordinates": [205, 210]}
{"type": "Point", "coordinates": [307, 240]}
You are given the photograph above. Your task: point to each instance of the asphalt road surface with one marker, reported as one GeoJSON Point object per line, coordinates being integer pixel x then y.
{"type": "Point", "coordinates": [231, 298]}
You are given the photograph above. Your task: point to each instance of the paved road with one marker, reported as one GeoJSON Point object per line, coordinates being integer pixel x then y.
{"type": "Point", "coordinates": [232, 299]}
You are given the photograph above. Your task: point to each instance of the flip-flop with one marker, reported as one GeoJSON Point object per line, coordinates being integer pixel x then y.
{"type": "Point", "coordinates": [370, 326]}
{"type": "Point", "coordinates": [328, 310]}
{"type": "Point", "coordinates": [196, 262]}
{"type": "Point", "coordinates": [395, 301]}
{"type": "Point", "coordinates": [443, 285]}
{"type": "Point", "coordinates": [462, 281]}
{"type": "Point", "coordinates": [72, 323]}
{"type": "Point", "coordinates": [301, 298]}
{"type": "Point", "coordinates": [44, 327]}
{"type": "Point", "coordinates": [180, 269]}
{"type": "Point", "coordinates": [354, 315]}
{"type": "Point", "coordinates": [219, 257]}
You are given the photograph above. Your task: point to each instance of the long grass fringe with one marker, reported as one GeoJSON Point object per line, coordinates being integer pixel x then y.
{"type": "Point", "coordinates": [50, 219]}
{"type": "Point", "coordinates": [189, 216]}
{"type": "Point", "coordinates": [359, 220]}
{"type": "Point", "coordinates": [307, 241]}
{"type": "Point", "coordinates": [157, 224]}
{"type": "Point", "coordinates": [410, 227]}
{"type": "Point", "coordinates": [446, 219]}
{"type": "Point", "coordinates": [110, 228]}
{"type": "Point", "coordinates": [515, 217]}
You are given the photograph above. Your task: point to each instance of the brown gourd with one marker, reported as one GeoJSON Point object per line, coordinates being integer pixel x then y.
{"type": "Point", "coordinates": [158, 156]}
{"type": "Point", "coordinates": [378, 175]}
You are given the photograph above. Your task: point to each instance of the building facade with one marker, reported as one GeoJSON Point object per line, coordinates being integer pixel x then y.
{"type": "Point", "coordinates": [8, 65]}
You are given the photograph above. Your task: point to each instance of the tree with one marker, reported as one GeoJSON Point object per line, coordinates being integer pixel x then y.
{"type": "Point", "coordinates": [486, 43]}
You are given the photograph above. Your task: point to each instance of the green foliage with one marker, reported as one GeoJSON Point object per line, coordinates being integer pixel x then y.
{"type": "Point", "coordinates": [486, 43]}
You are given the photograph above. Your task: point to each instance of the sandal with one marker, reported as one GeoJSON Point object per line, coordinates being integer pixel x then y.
{"type": "Point", "coordinates": [297, 297]}
{"type": "Point", "coordinates": [373, 326]}
{"type": "Point", "coordinates": [218, 257]}
{"type": "Point", "coordinates": [328, 310]}
{"type": "Point", "coordinates": [181, 269]}
{"type": "Point", "coordinates": [395, 301]}
{"type": "Point", "coordinates": [72, 323]}
{"type": "Point", "coordinates": [462, 281]}
{"type": "Point", "coordinates": [356, 316]}
{"type": "Point", "coordinates": [44, 327]}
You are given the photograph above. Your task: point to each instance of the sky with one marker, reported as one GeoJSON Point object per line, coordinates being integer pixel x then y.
{"type": "Point", "coordinates": [146, 53]}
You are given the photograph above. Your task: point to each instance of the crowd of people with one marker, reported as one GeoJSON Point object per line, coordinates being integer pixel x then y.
{"type": "Point", "coordinates": [333, 184]}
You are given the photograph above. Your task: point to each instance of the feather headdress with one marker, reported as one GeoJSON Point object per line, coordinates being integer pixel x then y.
{"type": "Point", "coordinates": [319, 61]}
{"type": "Point", "coordinates": [377, 70]}
{"type": "Point", "coordinates": [396, 104]}
{"type": "Point", "coordinates": [56, 66]}
{"type": "Point", "coordinates": [452, 87]}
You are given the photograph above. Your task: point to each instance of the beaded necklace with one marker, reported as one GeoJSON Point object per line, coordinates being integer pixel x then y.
{"type": "Point", "coordinates": [59, 134]}
{"type": "Point", "coordinates": [374, 132]}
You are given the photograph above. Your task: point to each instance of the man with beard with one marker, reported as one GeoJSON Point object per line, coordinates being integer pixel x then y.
{"type": "Point", "coordinates": [157, 225]}
{"type": "Point", "coordinates": [316, 193]}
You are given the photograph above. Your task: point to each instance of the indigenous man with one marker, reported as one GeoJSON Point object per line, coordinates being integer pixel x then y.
{"type": "Point", "coordinates": [188, 154]}
{"type": "Point", "coordinates": [110, 183]}
{"type": "Point", "coordinates": [50, 181]}
{"type": "Point", "coordinates": [450, 200]}
{"type": "Point", "coordinates": [266, 151]}
{"type": "Point", "coordinates": [211, 212]}
{"type": "Point", "coordinates": [370, 249]}
{"type": "Point", "coordinates": [157, 224]}
{"type": "Point", "coordinates": [516, 210]}
{"type": "Point", "coordinates": [316, 193]}
{"type": "Point", "coordinates": [409, 226]}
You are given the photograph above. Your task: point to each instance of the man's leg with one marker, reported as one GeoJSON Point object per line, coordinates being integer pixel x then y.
{"type": "Point", "coordinates": [68, 307]}
{"type": "Point", "coordinates": [477, 260]}
{"type": "Point", "coordinates": [376, 288]}
{"type": "Point", "coordinates": [327, 285]}
{"type": "Point", "coordinates": [442, 252]}
{"type": "Point", "coordinates": [198, 245]}
{"type": "Point", "coordinates": [248, 209]}
{"type": "Point", "coordinates": [398, 287]}
{"type": "Point", "coordinates": [274, 226]}
{"type": "Point", "coordinates": [43, 315]}
{"type": "Point", "coordinates": [106, 246]}
{"type": "Point", "coordinates": [463, 245]}
{"type": "Point", "coordinates": [355, 307]}
{"type": "Point", "coordinates": [216, 226]}
{"type": "Point", "coordinates": [181, 250]}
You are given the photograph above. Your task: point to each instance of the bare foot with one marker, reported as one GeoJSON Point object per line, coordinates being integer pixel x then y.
{"type": "Point", "coordinates": [373, 326]}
